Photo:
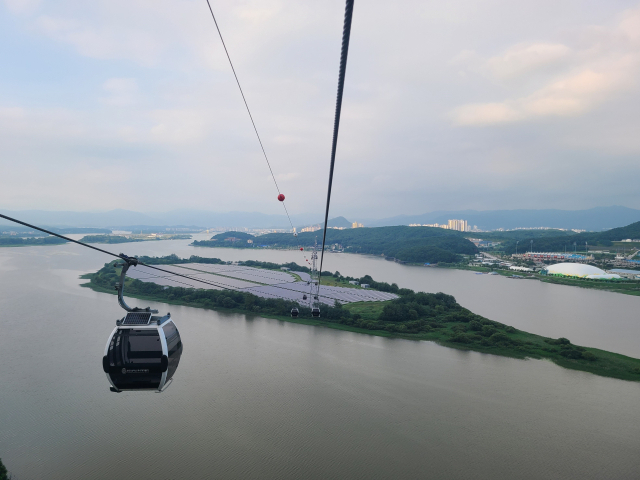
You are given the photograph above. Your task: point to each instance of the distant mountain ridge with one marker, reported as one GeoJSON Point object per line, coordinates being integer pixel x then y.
{"type": "Point", "coordinates": [593, 219]}
{"type": "Point", "coordinates": [121, 219]}
{"type": "Point", "coordinates": [339, 222]}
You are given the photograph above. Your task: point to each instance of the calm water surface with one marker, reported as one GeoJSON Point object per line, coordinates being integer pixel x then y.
{"type": "Point", "coordinates": [260, 398]}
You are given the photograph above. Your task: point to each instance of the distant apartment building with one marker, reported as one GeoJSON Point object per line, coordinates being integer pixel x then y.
{"type": "Point", "coordinates": [313, 228]}
{"type": "Point", "coordinates": [459, 225]}
{"type": "Point", "coordinates": [356, 225]}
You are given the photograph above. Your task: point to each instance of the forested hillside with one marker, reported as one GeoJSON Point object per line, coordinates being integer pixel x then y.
{"type": "Point", "coordinates": [409, 244]}
{"type": "Point", "coordinates": [558, 243]}
{"type": "Point", "coordinates": [15, 241]}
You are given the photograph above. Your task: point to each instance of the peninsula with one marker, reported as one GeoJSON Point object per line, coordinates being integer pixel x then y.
{"type": "Point", "coordinates": [410, 315]}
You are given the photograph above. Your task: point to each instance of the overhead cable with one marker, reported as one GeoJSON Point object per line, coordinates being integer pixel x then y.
{"type": "Point", "coordinates": [246, 104]}
{"type": "Point", "coordinates": [169, 272]}
{"type": "Point", "coordinates": [346, 33]}
{"type": "Point", "coordinates": [120, 256]}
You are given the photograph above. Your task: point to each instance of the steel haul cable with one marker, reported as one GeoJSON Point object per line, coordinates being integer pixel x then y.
{"type": "Point", "coordinates": [346, 34]}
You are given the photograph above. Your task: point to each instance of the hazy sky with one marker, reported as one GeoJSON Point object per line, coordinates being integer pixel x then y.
{"type": "Point", "coordinates": [448, 105]}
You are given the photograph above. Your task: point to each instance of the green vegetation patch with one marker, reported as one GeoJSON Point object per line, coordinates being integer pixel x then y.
{"type": "Point", "coordinates": [628, 287]}
{"type": "Point", "coordinates": [109, 239]}
{"type": "Point", "coordinates": [122, 239]}
{"type": "Point", "coordinates": [408, 244]}
{"type": "Point", "coordinates": [557, 243]}
{"type": "Point", "coordinates": [227, 239]}
{"type": "Point", "coordinates": [15, 241]}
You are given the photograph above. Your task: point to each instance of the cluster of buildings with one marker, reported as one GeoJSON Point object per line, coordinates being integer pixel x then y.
{"type": "Point", "coordinates": [550, 256]}
{"type": "Point", "coordinates": [478, 242]}
{"type": "Point", "coordinates": [313, 228]}
{"type": "Point", "coordinates": [458, 225]}
{"type": "Point", "coordinates": [564, 269]}
{"type": "Point", "coordinates": [580, 270]}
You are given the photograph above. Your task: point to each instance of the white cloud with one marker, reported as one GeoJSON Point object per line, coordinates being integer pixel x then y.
{"type": "Point", "coordinates": [288, 177]}
{"type": "Point", "coordinates": [178, 126]}
{"type": "Point", "coordinates": [144, 85]}
{"type": "Point", "coordinates": [22, 7]}
{"type": "Point", "coordinates": [100, 41]}
{"type": "Point", "coordinates": [122, 91]}
{"type": "Point", "coordinates": [569, 96]}
{"type": "Point", "coordinates": [590, 77]}
{"type": "Point", "coordinates": [485, 114]}
{"type": "Point", "coordinates": [524, 59]}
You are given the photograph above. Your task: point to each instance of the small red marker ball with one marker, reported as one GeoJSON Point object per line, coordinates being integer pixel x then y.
{"type": "Point", "coordinates": [281, 197]}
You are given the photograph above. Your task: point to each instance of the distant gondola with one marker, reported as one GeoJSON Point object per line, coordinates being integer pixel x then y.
{"type": "Point", "coordinates": [315, 311]}
{"type": "Point", "coordinates": [294, 312]}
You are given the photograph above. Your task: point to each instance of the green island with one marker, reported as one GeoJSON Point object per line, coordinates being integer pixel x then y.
{"type": "Point", "coordinates": [414, 315]}
{"type": "Point", "coordinates": [132, 238]}
{"type": "Point", "coordinates": [15, 241]}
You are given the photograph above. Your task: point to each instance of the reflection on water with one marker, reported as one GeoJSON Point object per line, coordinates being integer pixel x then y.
{"type": "Point", "coordinates": [260, 398]}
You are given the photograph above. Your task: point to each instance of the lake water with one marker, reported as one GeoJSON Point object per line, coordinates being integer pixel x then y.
{"type": "Point", "coordinates": [260, 398]}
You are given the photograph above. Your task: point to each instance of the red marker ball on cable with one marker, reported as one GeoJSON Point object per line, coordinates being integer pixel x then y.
{"type": "Point", "coordinates": [281, 197]}
{"type": "Point", "coordinates": [301, 249]}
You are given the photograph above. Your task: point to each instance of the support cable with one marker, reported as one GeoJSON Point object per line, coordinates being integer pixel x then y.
{"type": "Point", "coordinates": [346, 33]}
{"type": "Point", "coordinates": [248, 110]}
{"type": "Point", "coordinates": [132, 260]}
{"type": "Point", "coordinates": [135, 261]}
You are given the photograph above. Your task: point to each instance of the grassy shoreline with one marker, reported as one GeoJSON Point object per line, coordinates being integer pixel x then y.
{"type": "Point", "coordinates": [478, 334]}
{"type": "Point", "coordinates": [628, 287]}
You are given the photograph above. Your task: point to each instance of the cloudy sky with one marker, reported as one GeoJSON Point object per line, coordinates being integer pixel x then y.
{"type": "Point", "coordinates": [448, 105]}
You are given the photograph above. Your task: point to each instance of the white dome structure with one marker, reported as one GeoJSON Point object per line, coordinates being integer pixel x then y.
{"type": "Point", "coordinates": [579, 270]}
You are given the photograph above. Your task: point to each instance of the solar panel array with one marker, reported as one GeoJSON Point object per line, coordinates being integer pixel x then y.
{"type": "Point", "coordinates": [214, 282]}
{"type": "Point", "coordinates": [327, 295]}
{"type": "Point", "coordinates": [260, 282]}
{"type": "Point", "coordinates": [137, 318]}
{"type": "Point", "coordinates": [257, 275]}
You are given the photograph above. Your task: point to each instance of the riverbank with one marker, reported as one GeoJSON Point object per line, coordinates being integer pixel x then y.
{"type": "Point", "coordinates": [414, 316]}
{"type": "Point", "coordinates": [132, 238]}
{"type": "Point", "coordinates": [627, 287]}
{"type": "Point", "coordinates": [14, 241]}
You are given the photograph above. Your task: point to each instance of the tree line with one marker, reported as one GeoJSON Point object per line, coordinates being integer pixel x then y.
{"type": "Point", "coordinates": [408, 244]}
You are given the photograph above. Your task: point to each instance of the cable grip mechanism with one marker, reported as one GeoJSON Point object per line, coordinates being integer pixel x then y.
{"type": "Point", "coordinates": [128, 262]}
